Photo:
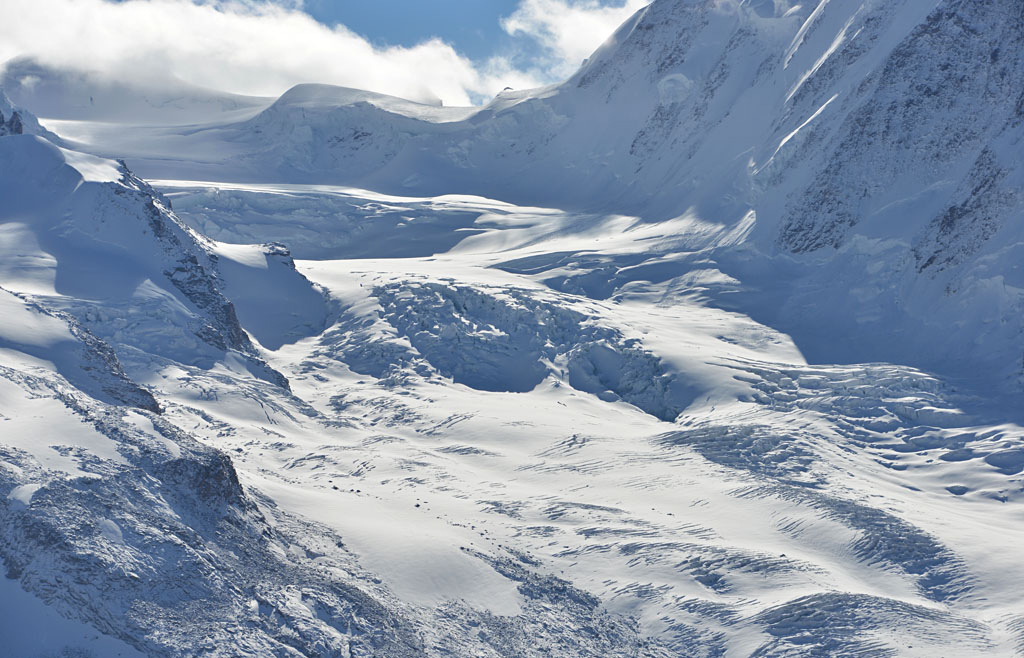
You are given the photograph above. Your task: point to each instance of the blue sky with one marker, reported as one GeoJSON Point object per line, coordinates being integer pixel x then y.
{"type": "Point", "coordinates": [472, 26]}
{"type": "Point", "coordinates": [546, 38]}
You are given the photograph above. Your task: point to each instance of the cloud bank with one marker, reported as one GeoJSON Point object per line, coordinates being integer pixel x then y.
{"type": "Point", "coordinates": [568, 31]}
{"type": "Point", "coordinates": [263, 48]}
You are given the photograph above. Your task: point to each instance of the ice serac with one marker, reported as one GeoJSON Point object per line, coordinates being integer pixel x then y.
{"type": "Point", "coordinates": [116, 519]}
{"type": "Point", "coordinates": [84, 235]}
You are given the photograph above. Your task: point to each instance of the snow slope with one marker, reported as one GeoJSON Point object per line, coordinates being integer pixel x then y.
{"type": "Point", "coordinates": [712, 350]}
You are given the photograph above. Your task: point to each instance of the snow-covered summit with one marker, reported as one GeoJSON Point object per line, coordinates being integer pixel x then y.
{"type": "Point", "coordinates": [820, 117]}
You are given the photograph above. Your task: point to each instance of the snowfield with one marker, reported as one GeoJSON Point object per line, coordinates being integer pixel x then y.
{"type": "Point", "coordinates": [712, 350]}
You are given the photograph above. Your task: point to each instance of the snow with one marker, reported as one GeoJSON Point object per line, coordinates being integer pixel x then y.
{"type": "Point", "coordinates": [793, 134]}
{"type": "Point", "coordinates": [713, 349]}
{"type": "Point", "coordinates": [328, 97]}
{"type": "Point", "coordinates": [23, 493]}
{"type": "Point", "coordinates": [92, 169]}
{"type": "Point", "coordinates": [145, 425]}
{"type": "Point", "coordinates": [20, 325]}
{"type": "Point", "coordinates": [50, 433]}
{"type": "Point", "coordinates": [421, 562]}
{"type": "Point", "coordinates": [25, 266]}
{"type": "Point", "coordinates": [31, 629]}
{"type": "Point", "coordinates": [273, 302]}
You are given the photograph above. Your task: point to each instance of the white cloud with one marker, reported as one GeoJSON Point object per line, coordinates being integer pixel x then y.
{"type": "Point", "coordinates": [263, 48]}
{"type": "Point", "coordinates": [570, 30]}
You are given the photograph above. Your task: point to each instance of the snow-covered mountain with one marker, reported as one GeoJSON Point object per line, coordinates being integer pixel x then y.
{"type": "Point", "coordinates": [712, 349]}
{"type": "Point", "coordinates": [875, 142]}
{"type": "Point", "coordinates": [873, 136]}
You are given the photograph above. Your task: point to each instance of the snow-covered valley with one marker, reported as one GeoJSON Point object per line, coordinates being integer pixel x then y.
{"type": "Point", "coordinates": [712, 350]}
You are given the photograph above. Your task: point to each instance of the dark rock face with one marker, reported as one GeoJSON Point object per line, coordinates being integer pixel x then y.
{"type": "Point", "coordinates": [960, 231]}
{"type": "Point", "coordinates": [12, 126]}
{"type": "Point", "coordinates": [192, 269]}
{"type": "Point", "coordinates": [942, 96]}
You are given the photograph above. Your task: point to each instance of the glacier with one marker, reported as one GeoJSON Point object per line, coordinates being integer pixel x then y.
{"type": "Point", "coordinates": [713, 349]}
